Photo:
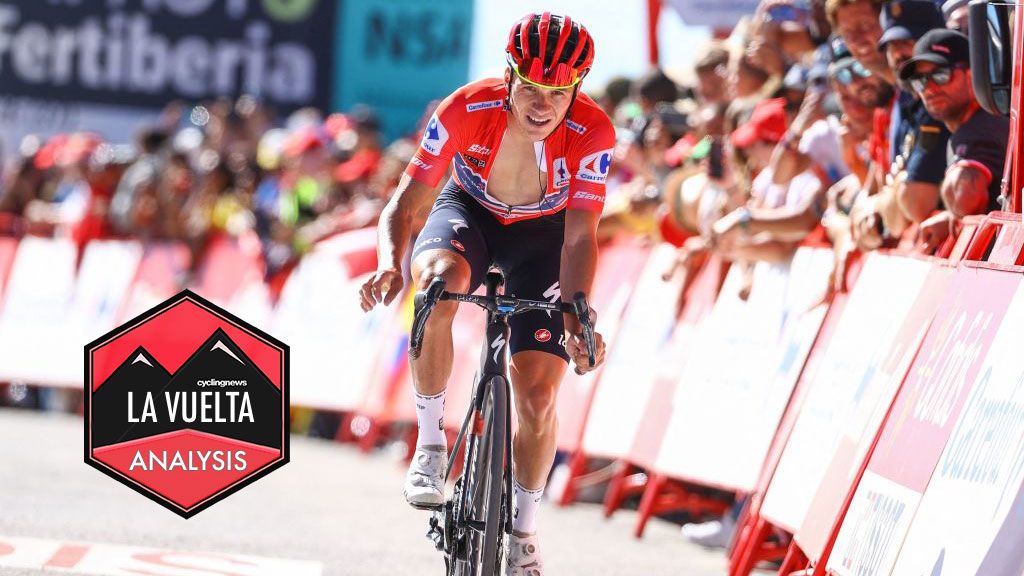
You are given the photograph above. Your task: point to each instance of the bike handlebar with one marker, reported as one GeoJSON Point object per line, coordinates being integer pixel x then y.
{"type": "Point", "coordinates": [507, 306]}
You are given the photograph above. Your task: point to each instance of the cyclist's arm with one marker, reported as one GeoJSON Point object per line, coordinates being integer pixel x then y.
{"type": "Point", "coordinates": [408, 205]}
{"type": "Point", "coordinates": [579, 258]}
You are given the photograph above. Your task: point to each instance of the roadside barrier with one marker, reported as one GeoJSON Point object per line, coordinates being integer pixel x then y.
{"type": "Point", "coordinates": [877, 431]}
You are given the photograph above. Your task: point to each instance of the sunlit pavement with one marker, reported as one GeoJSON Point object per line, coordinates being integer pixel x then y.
{"type": "Point", "coordinates": [332, 510]}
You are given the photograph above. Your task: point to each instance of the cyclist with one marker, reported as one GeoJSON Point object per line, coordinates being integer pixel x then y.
{"type": "Point", "coordinates": [529, 156]}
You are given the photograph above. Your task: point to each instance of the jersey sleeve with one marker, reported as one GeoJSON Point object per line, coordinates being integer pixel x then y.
{"type": "Point", "coordinates": [596, 145]}
{"type": "Point", "coordinates": [438, 144]}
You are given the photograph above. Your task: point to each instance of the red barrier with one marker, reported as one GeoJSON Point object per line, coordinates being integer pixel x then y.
{"type": "Point", "coordinates": [629, 479]}
{"type": "Point", "coordinates": [751, 544]}
{"type": "Point", "coordinates": [910, 486]}
{"type": "Point", "coordinates": [159, 277]}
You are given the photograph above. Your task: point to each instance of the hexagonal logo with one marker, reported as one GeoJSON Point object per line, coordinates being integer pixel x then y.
{"type": "Point", "coordinates": [186, 404]}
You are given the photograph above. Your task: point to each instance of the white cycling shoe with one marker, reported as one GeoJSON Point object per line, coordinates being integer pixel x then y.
{"type": "Point", "coordinates": [424, 483]}
{"type": "Point", "coordinates": [522, 556]}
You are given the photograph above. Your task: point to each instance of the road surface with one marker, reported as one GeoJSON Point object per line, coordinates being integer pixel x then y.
{"type": "Point", "coordinates": [331, 511]}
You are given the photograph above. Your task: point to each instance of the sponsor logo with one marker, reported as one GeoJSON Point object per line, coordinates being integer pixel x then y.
{"type": "Point", "coordinates": [417, 162]}
{"type": "Point", "coordinates": [479, 149]}
{"type": "Point", "coordinates": [427, 242]}
{"type": "Point", "coordinates": [575, 127]}
{"type": "Point", "coordinates": [458, 246]}
{"type": "Point", "coordinates": [588, 196]}
{"type": "Point", "coordinates": [542, 335]}
{"type": "Point", "coordinates": [435, 136]}
{"type": "Point", "coordinates": [476, 162]}
{"type": "Point", "coordinates": [553, 295]}
{"type": "Point", "coordinates": [561, 172]}
{"type": "Point", "coordinates": [940, 48]}
{"type": "Point", "coordinates": [458, 224]}
{"type": "Point", "coordinates": [594, 167]}
{"type": "Point", "coordinates": [484, 105]}
{"type": "Point", "coordinates": [186, 404]}
{"type": "Point", "coordinates": [498, 345]}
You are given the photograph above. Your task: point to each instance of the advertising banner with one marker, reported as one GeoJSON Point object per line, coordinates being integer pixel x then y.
{"type": "Point", "coordinates": [106, 65]}
{"type": "Point", "coordinates": [921, 421]}
{"type": "Point", "coordinates": [845, 385]}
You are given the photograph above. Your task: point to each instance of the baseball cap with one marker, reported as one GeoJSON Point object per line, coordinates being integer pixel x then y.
{"type": "Point", "coordinates": [908, 20]}
{"type": "Point", "coordinates": [767, 122]}
{"type": "Point", "coordinates": [940, 47]}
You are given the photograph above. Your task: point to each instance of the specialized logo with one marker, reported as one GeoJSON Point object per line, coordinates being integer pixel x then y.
{"type": "Point", "coordinates": [594, 167]}
{"type": "Point", "coordinates": [498, 345]}
{"type": "Point", "coordinates": [458, 224]}
{"type": "Point", "coordinates": [435, 136]}
{"type": "Point", "coordinates": [553, 295]}
{"type": "Point", "coordinates": [484, 105]}
{"type": "Point", "coordinates": [458, 246]}
{"type": "Point", "coordinates": [186, 404]}
{"type": "Point", "coordinates": [561, 173]}
{"type": "Point", "coordinates": [575, 127]}
{"type": "Point", "coordinates": [542, 335]}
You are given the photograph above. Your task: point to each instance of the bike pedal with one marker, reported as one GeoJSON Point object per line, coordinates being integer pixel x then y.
{"type": "Point", "coordinates": [428, 507]}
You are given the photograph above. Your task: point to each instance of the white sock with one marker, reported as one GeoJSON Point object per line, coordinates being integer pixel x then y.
{"type": "Point", "coordinates": [430, 419]}
{"type": "Point", "coordinates": [527, 505]}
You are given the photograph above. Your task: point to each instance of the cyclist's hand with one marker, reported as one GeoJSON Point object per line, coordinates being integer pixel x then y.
{"type": "Point", "coordinates": [383, 286]}
{"type": "Point", "coordinates": [576, 347]}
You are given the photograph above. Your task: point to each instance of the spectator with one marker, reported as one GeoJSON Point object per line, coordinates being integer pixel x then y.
{"type": "Point", "coordinates": [712, 70]}
{"type": "Point", "coordinates": [856, 21]}
{"type": "Point", "coordinates": [955, 13]}
{"type": "Point", "coordinates": [918, 141]}
{"type": "Point", "coordinates": [940, 72]}
{"type": "Point", "coordinates": [143, 172]}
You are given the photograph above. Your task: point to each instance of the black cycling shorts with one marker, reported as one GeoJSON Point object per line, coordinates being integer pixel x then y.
{"type": "Point", "coordinates": [529, 253]}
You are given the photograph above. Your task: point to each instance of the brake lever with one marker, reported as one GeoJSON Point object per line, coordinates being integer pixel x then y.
{"type": "Point", "coordinates": [579, 302]}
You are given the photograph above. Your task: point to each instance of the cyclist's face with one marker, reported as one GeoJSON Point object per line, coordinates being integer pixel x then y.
{"type": "Point", "coordinates": [539, 110]}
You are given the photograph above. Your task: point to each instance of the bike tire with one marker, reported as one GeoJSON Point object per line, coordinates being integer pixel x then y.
{"type": "Point", "coordinates": [486, 489]}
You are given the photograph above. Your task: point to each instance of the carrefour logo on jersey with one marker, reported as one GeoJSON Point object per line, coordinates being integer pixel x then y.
{"type": "Point", "coordinates": [435, 136]}
{"type": "Point", "coordinates": [594, 167]}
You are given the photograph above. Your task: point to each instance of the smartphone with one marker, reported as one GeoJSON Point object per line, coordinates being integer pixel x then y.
{"type": "Point", "coordinates": [716, 169]}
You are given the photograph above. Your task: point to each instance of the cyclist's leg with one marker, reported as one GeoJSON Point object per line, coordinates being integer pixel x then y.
{"type": "Point", "coordinates": [451, 246]}
{"type": "Point", "coordinates": [538, 365]}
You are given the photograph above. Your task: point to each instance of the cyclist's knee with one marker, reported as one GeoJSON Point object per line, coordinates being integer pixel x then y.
{"type": "Point", "coordinates": [456, 274]}
{"type": "Point", "coordinates": [454, 269]}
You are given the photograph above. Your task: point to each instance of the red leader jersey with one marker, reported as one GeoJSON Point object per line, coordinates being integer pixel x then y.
{"type": "Point", "coordinates": [466, 130]}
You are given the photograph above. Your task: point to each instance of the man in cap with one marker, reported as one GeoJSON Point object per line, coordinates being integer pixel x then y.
{"type": "Point", "coordinates": [917, 141]}
{"type": "Point", "coordinates": [939, 72]}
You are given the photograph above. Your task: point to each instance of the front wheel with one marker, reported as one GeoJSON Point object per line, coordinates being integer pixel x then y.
{"type": "Point", "coordinates": [484, 482]}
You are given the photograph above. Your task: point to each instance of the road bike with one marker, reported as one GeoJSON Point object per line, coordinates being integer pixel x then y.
{"type": "Point", "coordinates": [470, 525]}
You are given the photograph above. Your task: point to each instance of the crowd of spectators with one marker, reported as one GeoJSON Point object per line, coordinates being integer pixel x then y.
{"type": "Point", "coordinates": [224, 167]}
{"type": "Point", "coordinates": [851, 120]}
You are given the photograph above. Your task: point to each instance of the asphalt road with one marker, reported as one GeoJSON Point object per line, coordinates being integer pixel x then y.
{"type": "Point", "coordinates": [336, 511]}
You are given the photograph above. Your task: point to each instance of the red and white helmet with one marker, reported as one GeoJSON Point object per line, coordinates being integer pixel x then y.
{"type": "Point", "coordinates": [552, 51]}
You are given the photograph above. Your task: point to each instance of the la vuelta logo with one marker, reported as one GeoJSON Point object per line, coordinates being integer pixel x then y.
{"type": "Point", "coordinates": [186, 404]}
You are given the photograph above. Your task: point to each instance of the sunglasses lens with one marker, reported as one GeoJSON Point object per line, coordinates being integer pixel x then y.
{"type": "Point", "coordinates": [844, 76]}
{"type": "Point", "coordinates": [941, 77]}
{"type": "Point", "coordinates": [918, 84]}
{"type": "Point", "coordinates": [860, 70]}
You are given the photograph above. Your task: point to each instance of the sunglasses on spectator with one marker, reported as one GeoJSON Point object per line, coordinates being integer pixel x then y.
{"type": "Point", "coordinates": [847, 74]}
{"type": "Point", "coordinates": [941, 77]}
